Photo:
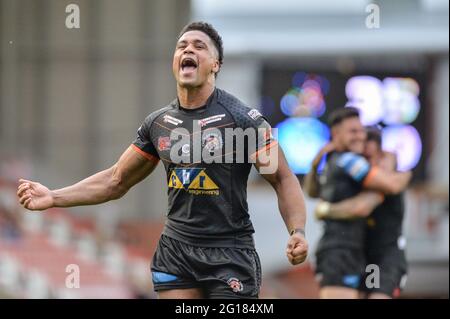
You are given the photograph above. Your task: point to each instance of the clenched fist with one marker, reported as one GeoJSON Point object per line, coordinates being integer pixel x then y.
{"type": "Point", "coordinates": [297, 249]}
{"type": "Point", "coordinates": [34, 196]}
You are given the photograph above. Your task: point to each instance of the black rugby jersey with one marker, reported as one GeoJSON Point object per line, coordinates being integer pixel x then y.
{"type": "Point", "coordinates": [385, 224]}
{"type": "Point", "coordinates": [207, 200]}
{"type": "Point", "coordinates": [341, 179]}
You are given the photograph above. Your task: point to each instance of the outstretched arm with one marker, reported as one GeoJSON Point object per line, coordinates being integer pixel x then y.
{"type": "Point", "coordinates": [110, 184]}
{"type": "Point", "coordinates": [290, 201]}
{"type": "Point", "coordinates": [358, 206]}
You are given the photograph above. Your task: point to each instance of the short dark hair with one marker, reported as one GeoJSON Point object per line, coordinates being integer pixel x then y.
{"type": "Point", "coordinates": [374, 134]}
{"type": "Point", "coordinates": [337, 116]}
{"type": "Point", "coordinates": [209, 30]}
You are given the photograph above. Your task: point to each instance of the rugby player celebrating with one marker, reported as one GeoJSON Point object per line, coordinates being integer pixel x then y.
{"type": "Point", "coordinates": [340, 254]}
{"type": "Point", "coordinates": [207, 248]}
{"type": "Point", "coordinates": [384, 244]}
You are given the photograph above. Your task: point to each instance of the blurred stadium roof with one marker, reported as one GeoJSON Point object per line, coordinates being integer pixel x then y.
{"type": "Point", "coordinates": [327, 27]}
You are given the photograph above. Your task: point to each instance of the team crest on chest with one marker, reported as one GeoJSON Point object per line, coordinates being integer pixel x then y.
{"type": "Point", "coordinates": [212, 142]}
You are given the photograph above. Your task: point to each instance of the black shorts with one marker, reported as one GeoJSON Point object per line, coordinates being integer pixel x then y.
{"type": "Point", "coordinates": [219, 272]}
{"type": "Point", "coordinates": [393, 269]}
{"type": "Point", "coordinates": [342, 267]}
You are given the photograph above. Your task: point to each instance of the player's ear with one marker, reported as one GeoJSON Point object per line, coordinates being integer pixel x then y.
{"type": "Point", "coordinates": [216, 67]}
{"type": "Point", "coordinates": [334, 131]}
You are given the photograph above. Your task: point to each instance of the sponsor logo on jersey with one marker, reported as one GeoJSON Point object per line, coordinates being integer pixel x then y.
{"type": "Point", "coordinates": [235, 284]}
{"type": "Point", "coordinates": [210, 119]}
{"type": "Point", "coordinates": [212, 142]}
{"type": "Point", "coordinates": [193, 180]}
{"type": "Point", "coordinates": [171, 120]}
{"type": "Point", "coordinates": [254, 114]}
{"type": "Point", "coordinates": [164, 143]}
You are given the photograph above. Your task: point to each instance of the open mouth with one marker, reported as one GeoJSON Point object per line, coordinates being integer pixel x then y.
{"type": "Point", "coordinates": [188, 64]}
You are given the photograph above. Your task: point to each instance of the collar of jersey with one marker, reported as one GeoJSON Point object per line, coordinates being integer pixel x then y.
{"type": "Point", "coordinates": [212, 98]}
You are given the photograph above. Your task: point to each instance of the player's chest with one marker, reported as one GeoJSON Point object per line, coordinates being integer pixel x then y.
{"type": "Point", "coordinates": [182, 138]}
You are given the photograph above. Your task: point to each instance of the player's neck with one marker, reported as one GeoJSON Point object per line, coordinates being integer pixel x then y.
{"type": "Point", "coordinates": [339, 147]}
{"type": "Point", "coordinates": [192, 98]}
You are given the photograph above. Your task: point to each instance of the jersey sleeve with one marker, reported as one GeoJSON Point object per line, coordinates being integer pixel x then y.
{"type": "Point", "coordinates": [355, 166]}
{"type": "Point", "coordinates": [263, 132]}
{"type": "Point", "coordinates": [265, 139]}
{"type": "Point", "coordinates": [143, 143]}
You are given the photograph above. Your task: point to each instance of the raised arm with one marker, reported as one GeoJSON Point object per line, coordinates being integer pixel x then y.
{"type": "Point", "coordinates": [112, 183]}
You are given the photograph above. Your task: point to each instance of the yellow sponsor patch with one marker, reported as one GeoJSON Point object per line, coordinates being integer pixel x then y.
{"type": "Point", "coordinates": [193, 180]}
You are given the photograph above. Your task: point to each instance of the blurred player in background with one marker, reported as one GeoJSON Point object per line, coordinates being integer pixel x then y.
{"type": "Point", "coordinates": [340, 254]}
{"type": "Point", "coordinates": [207, 247]}
{"type": "Point", "coordinates": [385, 244]}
